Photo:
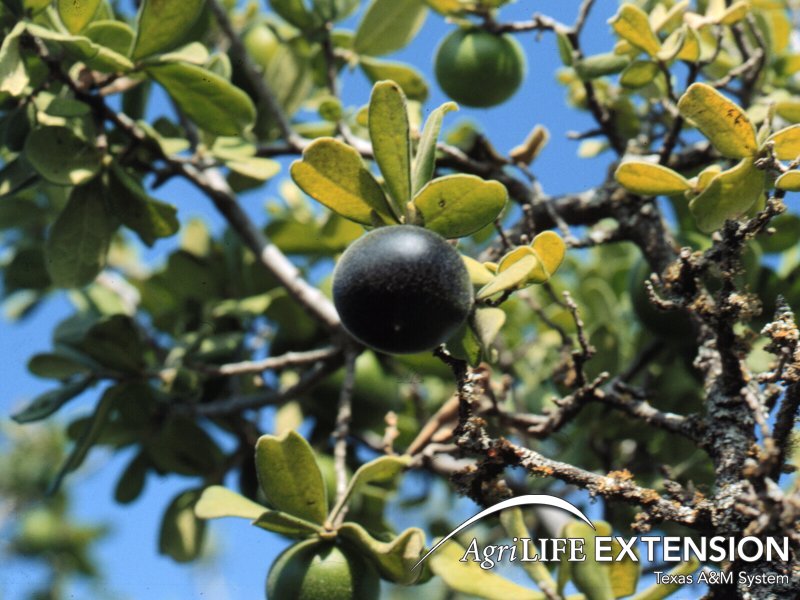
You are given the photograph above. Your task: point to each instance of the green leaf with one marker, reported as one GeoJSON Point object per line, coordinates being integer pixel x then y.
{"type": "Point", "coordinates": [632, 25]}
{"type": "Point", "coordinates": [334, 174]}
{"type": "Point", "coordinates": [514, 525]}
{"type": "Point", "coordinates": [116, 35]}
{"type": "Point", "coordinates": [45, 405]}
{"type": "Point", "coordinates": [286, 524]}
{"type": "Point", "coordinates": [468, 577]}
{"type": "Point", "coordinates": [383, 469]}
{"type": "Point", "coordinates": [648, 179]}
{"type": "Point", "coordinates": [261, 169]}
{"type": "Point", "coordinates": [13, 75]}
{"type": "Point", "coordinates": [181, 535]}
{"type": "Point", "coordinates": [390, 133]}
{"type": "Point", "coordinates": [789, 181]}
{"type": "Point", "coordinates": [565, 48]}
{"type": "Point", "coordinates": [600, 65]}
{"type": "Point", "coordinates": [639, 74]}
{"type": "Point", "coordinates": [217, 502]}
{"type": "Point", "coordinates": [296, 13]}
{"type": "Point", "coordinates": [290, 478]}
{"type": "Point", "coordinates": [163, 24]}
{"type": "Point", "coordinates": [55, 366]}
{"type": "Point", "coordinates": [729, 195]}
{"type": "Point", "coordinates": [388, 26]}
{"type": "Point", "coordinates": [61, 157]}
{"type": "Point", "coordinates": [15, 176]}
{"type": "Point", "coordinates": [79, 239]}
{"type": "Point", "coordinates": [724, 123]}
{"type": "Point", "coordinates": [515, 276]}
{"type": "Point", "coordinates": [487, 323]}
{"type": "Point", "coordinates": [149, 218]}
{"type": "Point", "coordinates": [99, 58]}
{"type": "Point", "coordinates": [193, 53]}
{"type": "Point", "coordinates": [465, 345]}
{"type": "Point", "coordinates": [89, 436]}
{"type": "Point", "coordinates": [787, 142]}
{"type": "Point", "coordinates": [76, 14]}
{"type": "Point", "coordinates": [395, 559]}
{"type": "Point", "coordinates": [115, 342]}
{"type": "Point", "coordinates": [334, 10]}
{"type": "Point", "coordinates": [658, 591]}
{"type": "Point", "coordinates": [407, 77]}
{"type": "Point", "coordinates": [131, 483]}
{"type": "Point", "coordinates": [786, 232]}
{"type": "Point", "coordinates": [589, 576]}
{"type": "Point", "coordinates": [457, 205]}
{"type": "Point", "coordinates": [209, 100]}
{"type": "Point", "coordinates": [425, 161]}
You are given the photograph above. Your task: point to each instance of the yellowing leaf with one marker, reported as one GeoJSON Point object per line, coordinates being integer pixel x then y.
{"type": "Point", "coordinates": [334, 174]}
{"type": "Point", "coordinates": [486, 323]}
{"type": "Point", "coordinates": [468, 577]}
{"type": "Point", "coordinates": [735, 13]}
{"type": "Point", "coordinates": [388, 25]}
{"type": "Point", "coordinates": [669, 19]}
{"type": "Point", "coordinates": [76, 14]}
{"type": "Point", "coordinates": [390, 132]}
{"type": "Point", "coordinates": [690, 51]}
{"type": "Point", "coordinates": [787, 142]}
{"type": "Point", "coordinates": [514, 276]}
{"type": "Point", "coordinates": [457, 205]}
{"type": "Point", "coordinates": [724, 123]}
{"type": "Point", "coordinates": [706, 176]}
{"type": "Point", "coordinates": [789, 181]}
{"type": "Point", "coordinates": [648, 179]}
{"type": "Point", "coordinates": [789, 110]}
{"type": "Point", "coordinates": [478, 273]}
{"type": "Point", "coordinates": [631, 24]}
{"type": "Point", "coordinates": [550, 249]}
{"type": "Point", "coordinates": [729, 195]}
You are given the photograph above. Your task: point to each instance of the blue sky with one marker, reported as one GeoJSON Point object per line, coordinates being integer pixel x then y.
{"type": "Point", "coordinates": [242, 553]}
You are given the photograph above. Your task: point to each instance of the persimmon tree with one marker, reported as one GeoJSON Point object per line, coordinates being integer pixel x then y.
{"type": "Point", "coordinates": [635, 340]}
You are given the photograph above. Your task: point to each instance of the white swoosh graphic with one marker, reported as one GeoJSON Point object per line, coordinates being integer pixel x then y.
{"type": "Point", "coordinates": [530, 499]}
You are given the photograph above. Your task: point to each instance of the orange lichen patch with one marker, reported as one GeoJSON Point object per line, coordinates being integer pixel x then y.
{"type": "Point", "coordinates": [623, 475]}
{"type": "Point", "coordinates": [542, 471]}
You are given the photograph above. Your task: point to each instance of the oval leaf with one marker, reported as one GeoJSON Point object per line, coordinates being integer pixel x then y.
{"type": "Point", "coordinates": [182, 533]}
{"type": "Point", "coordinates": [550, 249]}
{"type": "Point", "coordinates": [76, 14]}
{"type": "Point", "coordinates": [217, 502]}
{"type": "Point", "coordinates": [638, 74]}
{"type": "Point", "coordinates": [487, 323]}
{"type": "Point", "coordinates": [457, 205]}
{"type": "Point", "coordinates": [290, 478]}
{"type": "Point", "coordinates": [209, 100]}
{"type": "Point", "coordinates": [632, 25]}
{"type": "Point", "coordinates": [334, 174]}
{"type": "Point", "coordinates": [390, 133]}
{"type": "Point", "coordinates": [45, 405]}
{"type": "Point", "coordinates": [789, 181]}
{"type": "Point", "coordinates": [55, 366]}
{"type": "Point", "coordinates": [163, 24]}
{"type": "Point", "coordinates": [149, 218]}
{"type": "Point", "coordinates": [425, 160]}
{"type": "Point", "coordinates": [724, 123]}
{"type": "Point", "coordinates": [787, 142]}
{"type": "Point", "coordinates": [648, 179]}
{"type": "Point", "coordinates": [79, 239]}
{"type": "Point", "coordinates": [116, 35]}
{"type": "Point", "coordinates": [394, 560]}
{"type": "Point", "coordinates": [513, 277]}
{"type": "Point", "coordinates": [407, 77]}
{"type": "Point", "coordinates": [61, 157]}
{"type": "Point", "coordinates": [389, 25]}
{"type": "Point", "coordinates": [478, 273]}
{"type": "Point", "coordinates": [729, 195]}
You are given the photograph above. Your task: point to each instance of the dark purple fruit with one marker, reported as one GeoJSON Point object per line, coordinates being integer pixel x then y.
{"type": "Point", "coordinates": [402, 289]}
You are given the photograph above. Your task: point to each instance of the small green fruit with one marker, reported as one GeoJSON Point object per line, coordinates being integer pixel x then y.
{"type": "Point", "coordinates": [478, 68]}
{"type": "Point", "coordinates": [402, 289]}
{"type": "Point", "coordinates": [315, 570]}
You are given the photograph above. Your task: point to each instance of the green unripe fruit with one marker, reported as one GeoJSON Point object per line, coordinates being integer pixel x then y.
{"type": "Point", "coordinates": [261, 44]}
{"type": "Point", "coordinates": [315, 570]}
{"type": "Point", "coordinates": [402, 289]}
{"type": "Point", "coordinates": [478, 68]}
